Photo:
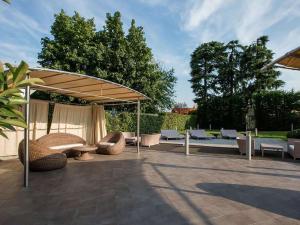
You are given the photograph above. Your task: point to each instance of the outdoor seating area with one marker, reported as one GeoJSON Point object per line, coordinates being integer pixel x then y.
{"type": "Point", "coordinates": [149, 113]}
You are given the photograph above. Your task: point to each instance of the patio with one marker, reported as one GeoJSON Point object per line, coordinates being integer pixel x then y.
{"type": "Point", "coordinates": [159, 186]}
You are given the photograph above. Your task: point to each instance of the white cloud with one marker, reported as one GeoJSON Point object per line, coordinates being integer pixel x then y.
{"type": "Point", "coordinates": [23, 22]}
{"type": "Point", "coordinates": [180, 65]}
{"type": "Point", "coordinates": [87, 9]}
{"type": "Point", "coordinates": [281, 45]}
{"type": "Point", "coordinates": [258, 16]}
{"type": "Point", "coordinates": [291, 78]}
{"type": "Point", "coordinates": [14, 53]}
{"type": "Point", "coordinates": [200, 11]}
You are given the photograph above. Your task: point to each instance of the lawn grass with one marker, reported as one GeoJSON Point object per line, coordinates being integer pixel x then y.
{"type": "Point", "coordinates": [272, 134]}
{"type": "Point", "coordinates": [261, 134]}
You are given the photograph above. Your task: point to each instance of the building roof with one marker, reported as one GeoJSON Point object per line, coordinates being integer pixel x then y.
{"type": "Point", "coordinates": [83, 86]}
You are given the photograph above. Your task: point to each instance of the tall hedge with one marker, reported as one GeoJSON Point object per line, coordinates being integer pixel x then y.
{"type": "Point", "coordinates": [274, 110]}
{"type": "Point", "coordinates": [150, 123]}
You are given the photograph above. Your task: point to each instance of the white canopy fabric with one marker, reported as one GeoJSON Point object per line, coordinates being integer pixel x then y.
{"type": "Point", "coordinates": [290, 60]}
{"type": "Point", "coordinates": [84, 87]}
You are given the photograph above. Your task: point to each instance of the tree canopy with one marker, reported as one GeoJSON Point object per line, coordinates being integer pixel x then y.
{"type": "Point", "coordinates": [110, 54]}
{"type": "Point", "coordinates": [226, 77]}
{"type": "Point", "coordinates": [225, 69]}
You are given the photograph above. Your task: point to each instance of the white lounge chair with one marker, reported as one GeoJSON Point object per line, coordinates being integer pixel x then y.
{"type": "Point", "coordinates": [171, 134]}
{"type": "Point", "coordinates": [200, 134]}
{"type": "Point", "coordinates": [229, 134]}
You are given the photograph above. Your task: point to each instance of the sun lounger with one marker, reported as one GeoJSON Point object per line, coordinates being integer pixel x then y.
{"type": "Point", "coordinates": [171, 134]}
{"type": "Point", "coordinates": [200, 134]}
{"type": "Point", "coordinates": [229, 134]}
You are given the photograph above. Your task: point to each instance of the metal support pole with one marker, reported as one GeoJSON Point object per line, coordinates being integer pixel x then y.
{"type": "Point", "coordinates": [256, 132]}
{"type": "Point", "coordinates": [187, 143]}
{"type": "Point", "coordinates": [248, 145]}
{"type": "Point", "coordinates": [26, 136]}
{"type": "Point", "coordinates": [138, 125]}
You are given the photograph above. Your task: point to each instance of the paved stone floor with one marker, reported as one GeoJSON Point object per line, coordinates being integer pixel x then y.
{"type": "Point", "coordinates": [161, 186]}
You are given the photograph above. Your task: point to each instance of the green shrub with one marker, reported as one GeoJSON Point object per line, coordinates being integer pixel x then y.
{"type": "Point", "coordinates": [150, 123]}
{"type": "Point", "coordinates": [294, 134]}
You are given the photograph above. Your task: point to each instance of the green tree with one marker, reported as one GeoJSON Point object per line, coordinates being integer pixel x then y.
{"type": "Point", "coordinates": [205, 63]}
{"type": "Point", "coordinates": [253, 79]}
{"type": "Point", "coordinates": [73, 47]}
{"type": "Point", "coordinates": [112, 37]}
{"type": "Point", "coordinates": [110, 54]}
{"type": "Point", "coordinates": [146, 76]}
{"type": "Point", "coordinates": [231, 73]}
{"type": "Point", "coordinates": [229, 69]}
{"type": "Point", "coordinates": [12, 80]}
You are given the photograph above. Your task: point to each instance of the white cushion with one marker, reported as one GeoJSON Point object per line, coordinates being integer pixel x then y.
{"type": "Point", "coordinates": [106, 143]}
{"type": "Point", "coordinates": [67, 146]}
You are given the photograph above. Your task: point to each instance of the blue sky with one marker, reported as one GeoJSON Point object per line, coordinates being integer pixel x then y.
{"type": "Point", "coordinates": [173, 28]}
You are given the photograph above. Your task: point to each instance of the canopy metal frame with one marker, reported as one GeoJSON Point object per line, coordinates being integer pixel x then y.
{"type": "Point", "coordinates": [134, 98]}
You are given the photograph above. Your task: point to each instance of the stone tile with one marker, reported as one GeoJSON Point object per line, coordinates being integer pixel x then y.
{"type": "Point", "coordinates": [233, 219]}
{"type": "Point", "coordinates": [161, 186]}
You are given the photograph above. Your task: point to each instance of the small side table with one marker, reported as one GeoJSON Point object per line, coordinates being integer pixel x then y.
{"type": "Point", "coordinates": [271, 147]}
{"type": "Point", "coordinates": [84, 152]}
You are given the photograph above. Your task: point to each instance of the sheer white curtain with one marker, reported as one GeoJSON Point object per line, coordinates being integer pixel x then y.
{"type": "Point", "coordinates": [72, 119]}
{"type": "Point", "coordinates": [99, 124]}
{"type": "Point", "coordinates": [87, 122]}
{"type": "Point", "coordinates": [38, 118]}
{"type": "Point", "coordinates": [38, 127]}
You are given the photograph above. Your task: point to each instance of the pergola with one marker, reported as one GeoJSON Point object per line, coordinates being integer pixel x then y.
{"type": "Point", "coordinates": [92, 89]}
{"type": "Point", "coordinates": [290, 60]}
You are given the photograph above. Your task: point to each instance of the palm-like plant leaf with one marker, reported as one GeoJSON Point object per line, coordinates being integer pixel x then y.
{"type": "Point", "coordinates": [3, 134]}
{"type": "Point", "coordinates": [10, 92]}
{"type": "Point", "coordinates": [17, 101]}
{"type": "Point", "coordinates": [11, 81]}
{"type": "Point", "coordinates": [29, 82]}
{"type": "Point", "coordinates": [13, 122]}
{"type": "Point", "coordinates": [20, 72]}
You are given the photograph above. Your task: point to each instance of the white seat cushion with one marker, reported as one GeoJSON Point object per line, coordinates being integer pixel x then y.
{"type": "Point", "coordinates": [63, 147]}
{"type": "Point", "coordinates": [106, 143]}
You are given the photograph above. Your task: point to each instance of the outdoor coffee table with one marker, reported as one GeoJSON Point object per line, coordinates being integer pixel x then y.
{"type": "Point", "coordinates": [132, 140]}
{"type": "Point", "coordinates": [84, 152]}
{"type": "Point", "coordinates": [271, 147]}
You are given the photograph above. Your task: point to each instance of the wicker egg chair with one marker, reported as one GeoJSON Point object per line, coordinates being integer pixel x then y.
{"type": "Point", "coordinates": [111, 144]}
{"type": "Point", "coordinates": [42, 158]}
{"type": "Point", "coordinates": [56, 139]}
